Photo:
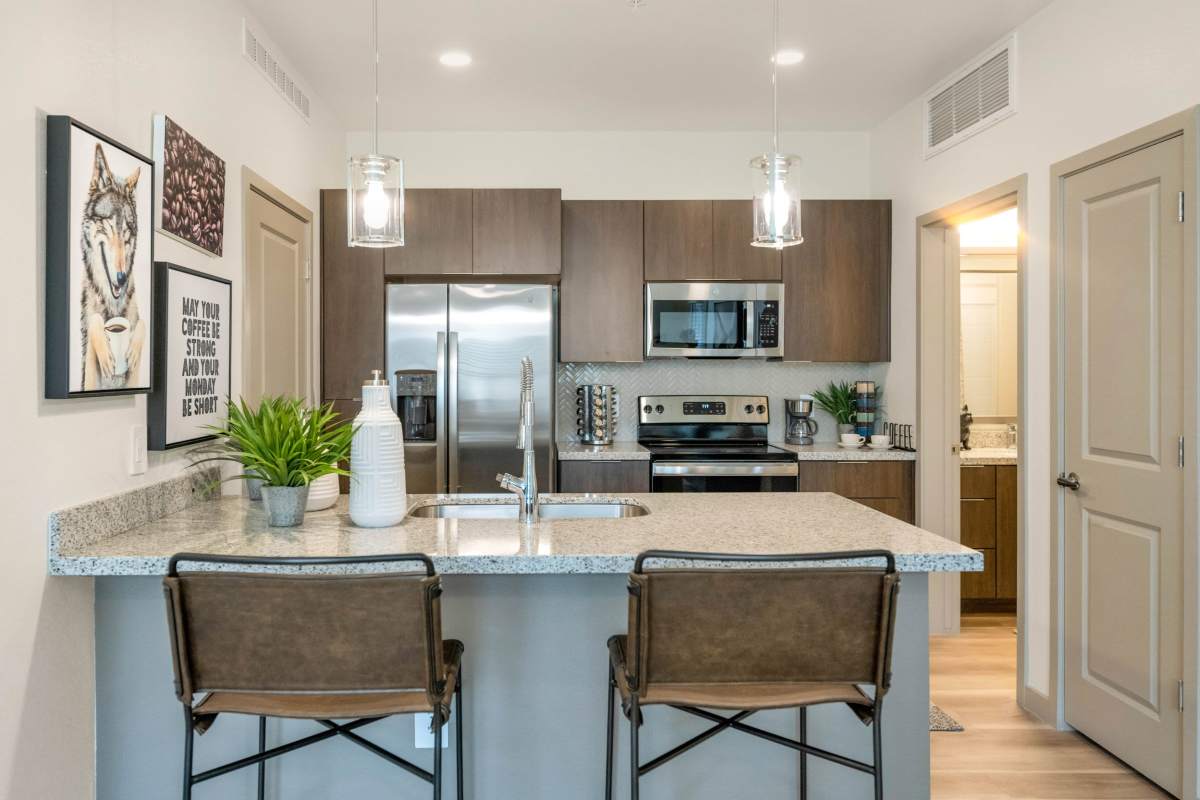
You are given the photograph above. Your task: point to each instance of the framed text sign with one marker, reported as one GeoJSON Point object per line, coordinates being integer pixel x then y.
{"type": "Point", "coordinates": [192, 354]}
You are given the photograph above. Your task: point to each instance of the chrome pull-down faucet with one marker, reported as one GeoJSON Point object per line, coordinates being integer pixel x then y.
{"type": "Point", "coordinates": [525, 487]}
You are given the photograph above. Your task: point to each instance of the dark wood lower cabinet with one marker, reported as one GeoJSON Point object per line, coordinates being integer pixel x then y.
{"type": "Point", "coordinates": [988, 523]}
{"type": "Point", "coordinates": [604, 477]}
{"type": "Point", "coordinates": [885, 486]}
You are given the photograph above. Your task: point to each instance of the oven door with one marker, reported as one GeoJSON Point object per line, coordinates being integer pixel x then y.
{"type": "Point", "coordinates": [723, 476]}
{"type": "Point", "coordinates": [715, 320]}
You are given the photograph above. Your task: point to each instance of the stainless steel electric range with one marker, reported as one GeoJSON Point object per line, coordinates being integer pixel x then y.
{"type": "Point", "coordinates": [712, 443]}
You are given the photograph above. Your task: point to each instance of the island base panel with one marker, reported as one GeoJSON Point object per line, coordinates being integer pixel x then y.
{"type": "Point", "coordinates": [535, 674]}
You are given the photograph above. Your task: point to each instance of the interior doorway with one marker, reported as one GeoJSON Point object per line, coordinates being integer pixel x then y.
{"type": "Point", "coordinates": [277, 294]}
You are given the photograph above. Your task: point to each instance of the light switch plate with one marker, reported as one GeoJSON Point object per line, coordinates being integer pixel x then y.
{"type": "Point", "coordinates": [424, 738]}
{"type": "Point", "coordinates": [137, 450]}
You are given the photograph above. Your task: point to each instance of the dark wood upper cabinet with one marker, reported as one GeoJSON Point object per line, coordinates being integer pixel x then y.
{"type": "Point", "coordinates": [679, 240]}
{"type": "Point", "coordinates": [352, 304]}
{"type": "Point", "coordinates": [437, 234]}
{"type": "Point", "coordinates": [600, 297]}
{"type": "Point", "coordinates": [734, 258]}
{"type": "Point", "coordinates": [517, 231]}
{"type": "Point", "coordinates": [838, 301]}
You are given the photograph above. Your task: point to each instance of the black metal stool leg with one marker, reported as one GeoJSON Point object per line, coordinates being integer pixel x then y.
{"type": "Point", "coordinates": [608, 745]}
{"type": "Point", "coordinates": [458, 734]}
{"type": "Point", "coordinates": [437, 755]}
{"type": "Point", "coordinates": [262, 765]}
{"type": "Point", "coordinates": [634, 720]}
{"type": "Point", "coordinates": [803, 756]}
{"type": "Point", "coordinates": [877, 734]}
{"type": "Point", "coordinates": [188, 740]}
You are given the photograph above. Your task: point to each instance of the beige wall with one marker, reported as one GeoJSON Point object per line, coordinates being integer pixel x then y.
{"type": "Point", "coordinates": [112, 64]}
{"type": "Point", "coordinates": [1088, 71]}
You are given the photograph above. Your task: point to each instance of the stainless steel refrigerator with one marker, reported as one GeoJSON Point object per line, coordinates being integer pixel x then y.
{"type": "Point", "coordinates": [464, 343]}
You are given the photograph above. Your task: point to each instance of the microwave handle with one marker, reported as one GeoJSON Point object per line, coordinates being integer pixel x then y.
{"type": "Point", "coordinates": [750, 324]}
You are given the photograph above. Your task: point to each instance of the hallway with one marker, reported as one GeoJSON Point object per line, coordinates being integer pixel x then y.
{"type": "Point", "coordinates": [1004, 753]}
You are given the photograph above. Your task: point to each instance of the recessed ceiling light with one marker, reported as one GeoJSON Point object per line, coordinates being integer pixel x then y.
{"type": "Point", "coordinates": [786, 58]}
{"type": "Point", "coordinates": [455, 58]}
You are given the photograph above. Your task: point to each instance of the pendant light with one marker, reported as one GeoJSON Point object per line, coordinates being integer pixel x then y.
{"type": "Point", "coordinates": [776, 191]}
{"type": "Point", "coordinates": [375, 183]}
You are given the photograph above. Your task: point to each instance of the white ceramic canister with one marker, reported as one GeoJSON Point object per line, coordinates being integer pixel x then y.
{"type": "Point", "coordinates": [378, 496]}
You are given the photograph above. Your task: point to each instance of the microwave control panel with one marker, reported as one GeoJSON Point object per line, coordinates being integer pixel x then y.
{"type": "Point", "coordinates": [768, 323]}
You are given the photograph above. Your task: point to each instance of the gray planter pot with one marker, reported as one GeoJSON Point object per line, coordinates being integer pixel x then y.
{"type": "Point", "coordinates": [285, 505]}
{"type": "Point", "coordinates": [845, 427]}
{"type": "Point", "coordinates": [253, 488]}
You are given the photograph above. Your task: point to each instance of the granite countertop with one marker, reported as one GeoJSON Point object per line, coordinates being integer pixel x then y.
{"type": "Point", "coordinates": [989, 456]}
{"type": "Point", "coordinates": [821, 451]}
{"type": "Point", "coordinates": [710, 522]}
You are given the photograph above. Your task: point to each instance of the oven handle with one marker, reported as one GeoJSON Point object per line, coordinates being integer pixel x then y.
{"type": "Point", "coordinates": [719, 469]}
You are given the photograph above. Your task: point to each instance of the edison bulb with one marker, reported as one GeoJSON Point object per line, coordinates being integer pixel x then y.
{"type": "Point", "coordinates": [376, 206]}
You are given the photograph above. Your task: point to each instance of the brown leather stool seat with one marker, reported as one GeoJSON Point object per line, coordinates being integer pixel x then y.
{"type": "Point", "coordinates": [358, 646]}
{"type": "Point", "coordinates": [747, 640]}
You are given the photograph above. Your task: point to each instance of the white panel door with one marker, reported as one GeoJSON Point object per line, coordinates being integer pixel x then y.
{"type": "Point", "coordinates": [1123, 262]}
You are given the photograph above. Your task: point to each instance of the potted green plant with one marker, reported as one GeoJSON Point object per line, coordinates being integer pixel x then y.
{"type": "Point", "coordinates": [837, 400]}
{"type": "Point", "coordinates": [287, 445]}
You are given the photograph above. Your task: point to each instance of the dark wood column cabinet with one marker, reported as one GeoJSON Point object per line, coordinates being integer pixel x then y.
{"type": "Point", "coordinates": [437, 234]}
{"type": "Point", "coordinates": [839, 283]}
{"type": "Point", "coordinates": [604, 477]}
{"type": "Point", "coordinates": [517, 231]}
{"type": "Point", "coordinates": [679, 240]}
{"type": "Point", "coordinates": [734, 258]}
{"type": "Point", "coordinates": [988, 523]}
{"type": "Point", "coordinates": [600, 297]}
{"type": "Point", "coordinates": [352, 304]}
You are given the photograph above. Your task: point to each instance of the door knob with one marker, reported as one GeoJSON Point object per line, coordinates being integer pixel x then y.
{"type": "Point", "coordinates": [1070, 480]}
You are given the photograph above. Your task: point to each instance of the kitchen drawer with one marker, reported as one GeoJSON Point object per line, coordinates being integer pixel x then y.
{"type": "Point", "coordinates": [892, 506]}
{"type": "Point", "coordinates": [977, 481]}
{"type": "Point", "coordinates": [981, 585]}
{"type": "Point", "coordinates": [604, 477]}
{"type": "Point", "coordinates": [978, 522]}
{"type": "Point", "coordinates": [857, 479]}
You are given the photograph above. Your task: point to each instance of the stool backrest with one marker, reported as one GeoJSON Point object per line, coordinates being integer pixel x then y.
{"type": "Point", "coordinates": [292, 633]}
{"type": "Point", "coordinates": [807, 624]}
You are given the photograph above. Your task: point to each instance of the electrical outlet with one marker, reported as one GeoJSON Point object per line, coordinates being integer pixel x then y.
{"type": "Point", "coordinates": [424, 737]}
{"type": "Point", "coordinates": [137, 450]}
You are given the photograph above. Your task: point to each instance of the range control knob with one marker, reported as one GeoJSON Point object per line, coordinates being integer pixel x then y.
{"type": "Point", "coordinates": [659, 409]}
{"type": "Point", "coordinates": [749, 409]}
{"type": "Point", "coordinates": [761, 409]}
{"type": "Point", "coordinates": [646, 409]}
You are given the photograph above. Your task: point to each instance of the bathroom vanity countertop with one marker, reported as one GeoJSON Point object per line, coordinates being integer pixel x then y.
{"type": "Point", "coordinates": [989, 456]}
{"type": "Point", "coordinates": [617, 451]}
{"type": "Point", "coordinates": [805, 522]}
{"type": "Point", "coordinates": [829, 451]}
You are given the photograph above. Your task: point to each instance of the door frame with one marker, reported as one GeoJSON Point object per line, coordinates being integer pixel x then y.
{"type": "Point", "coordinates": [937, 477]}
{"type": "Point", "coordinates": [255, 184]}
{"type": "Point", "coordinates": [1181, 124]}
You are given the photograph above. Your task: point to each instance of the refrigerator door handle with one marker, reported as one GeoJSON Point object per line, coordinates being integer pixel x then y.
{"type": "Point", "coordinates": [452, 410]}
{"type": "Point", "coordinates": [440, 411]}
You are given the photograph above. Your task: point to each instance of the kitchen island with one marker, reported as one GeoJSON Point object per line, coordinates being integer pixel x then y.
{"type": "Point", "coordinates": [534, 606]}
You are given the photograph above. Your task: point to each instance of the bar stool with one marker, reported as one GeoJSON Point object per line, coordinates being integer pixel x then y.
{"type": "Point", "coordinates": [320, 647]}
{"type": "Point", "coordinates": [753, 639]}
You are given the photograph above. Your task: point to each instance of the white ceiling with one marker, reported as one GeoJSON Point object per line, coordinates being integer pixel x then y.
{"type": "Point", "coordinates": [602, 65]}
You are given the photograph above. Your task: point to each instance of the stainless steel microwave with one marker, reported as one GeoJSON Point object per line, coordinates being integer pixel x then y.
{"type": "Point", "coordinates": [714, 320]}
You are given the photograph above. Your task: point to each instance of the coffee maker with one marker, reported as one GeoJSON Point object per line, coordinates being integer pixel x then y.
{"type": "Point", "coordinates": [801, 427]}
{"type": "Point", "coordinates": [416, 404]}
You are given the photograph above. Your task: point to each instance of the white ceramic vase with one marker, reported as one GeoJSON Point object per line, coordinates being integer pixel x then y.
{"type": "Point", "coordinates": [323, 493]}
{"type": "Point", "coordinates": [378, 496]}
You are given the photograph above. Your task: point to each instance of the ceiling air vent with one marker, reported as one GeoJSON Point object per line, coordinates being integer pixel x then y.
{"type": "Point", "coordinates": [973, 99]}
{"type": "Point", "coordinates": [259, 54]}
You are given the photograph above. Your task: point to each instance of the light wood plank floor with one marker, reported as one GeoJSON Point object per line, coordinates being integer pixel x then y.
{"type": "Point", "coordinates": [1004, 753]}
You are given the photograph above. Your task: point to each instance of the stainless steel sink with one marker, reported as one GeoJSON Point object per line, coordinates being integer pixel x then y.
{"type": "Point", "coordinates": [549, 510]}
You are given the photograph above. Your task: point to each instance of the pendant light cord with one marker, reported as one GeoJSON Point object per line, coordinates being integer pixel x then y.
{"type": "Point", "coordinates": [774, 81]}
{"type": "Point", "coordinates": [375, 47]}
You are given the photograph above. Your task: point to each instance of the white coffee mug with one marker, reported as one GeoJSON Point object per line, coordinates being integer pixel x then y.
{"type": "Point", "coordinates": [852, 438]}
{"type": "Point", "coordinates": [880, 439]}
{"type": "Point", "coordinates": [117, 331]}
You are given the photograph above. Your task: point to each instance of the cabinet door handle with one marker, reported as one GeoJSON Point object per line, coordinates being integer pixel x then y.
{"type": "Point", "coordinates": [974, 499]}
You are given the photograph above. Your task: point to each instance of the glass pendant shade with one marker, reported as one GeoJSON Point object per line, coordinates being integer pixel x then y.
{"type": "Point", "coordinates": [776, 201]}
{"type": "Point", "coordinates": [375, 201]}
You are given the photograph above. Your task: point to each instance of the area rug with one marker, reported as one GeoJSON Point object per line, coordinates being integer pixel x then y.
{"type": "Point", "coordinates": [941, 721]}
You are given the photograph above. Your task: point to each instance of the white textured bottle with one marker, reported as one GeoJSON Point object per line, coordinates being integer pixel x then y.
{"type": "Point", "coordinates": [378, 495]}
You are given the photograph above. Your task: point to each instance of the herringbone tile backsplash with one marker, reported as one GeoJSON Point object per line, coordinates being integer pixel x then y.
{"type": "Point", "coordinates": [777, 380]}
